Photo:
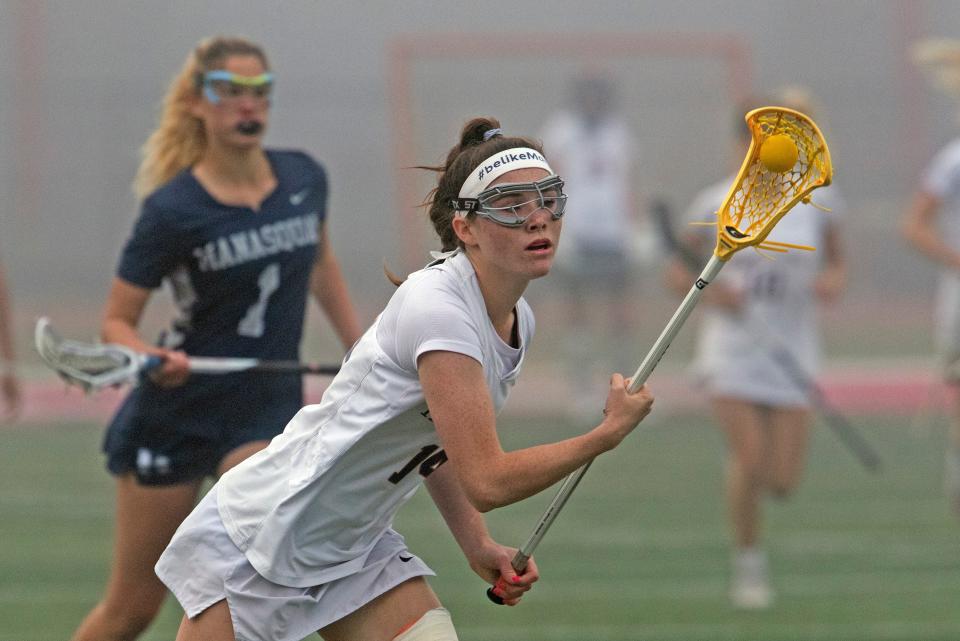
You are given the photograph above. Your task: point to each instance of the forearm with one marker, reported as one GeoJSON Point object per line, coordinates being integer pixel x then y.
{"type": "Point", "coordinates": [920, 229]}
{"type": "Point", "coordinates": [122, 332]}
{"type": "Point", "coordinates": [509, 477]}
{"type": "Point", "coordinates": [330, 291]}
{"type": "Point", "coordinates": [467, 524]}
{"type": "Point", "coordinates": [121, 316]}
{"type": "Point", "coordinates": [929, 244]}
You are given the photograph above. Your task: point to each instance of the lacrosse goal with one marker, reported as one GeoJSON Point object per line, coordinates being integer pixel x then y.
{"type": "Point", "coordinates": [678, 91]}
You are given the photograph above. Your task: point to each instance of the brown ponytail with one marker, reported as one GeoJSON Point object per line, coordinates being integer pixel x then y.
{"type": "Point", "coordinates": [478, 141]}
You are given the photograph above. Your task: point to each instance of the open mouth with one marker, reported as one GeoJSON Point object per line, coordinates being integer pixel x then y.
{"type": "Point", "coordinates": [250, 127]}
{"type": "Point", "coordinates": [539, 245]}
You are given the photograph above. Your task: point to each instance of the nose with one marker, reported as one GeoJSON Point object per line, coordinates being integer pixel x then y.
{"type": "Point", "coordinates": [248, 102]}
{"type": "Point", "coordinates": [538, 219]}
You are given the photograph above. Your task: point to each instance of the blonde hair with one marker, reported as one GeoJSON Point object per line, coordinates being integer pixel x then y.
{"type": "Point", "coordinates": [180, 140]}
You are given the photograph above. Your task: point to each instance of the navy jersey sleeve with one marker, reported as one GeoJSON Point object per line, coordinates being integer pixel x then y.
{"type": "Point", "coordinates": [151, 252]}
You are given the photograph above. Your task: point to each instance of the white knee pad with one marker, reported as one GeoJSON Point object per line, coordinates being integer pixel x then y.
{"type": "Point", "coordinates": [434, 625]}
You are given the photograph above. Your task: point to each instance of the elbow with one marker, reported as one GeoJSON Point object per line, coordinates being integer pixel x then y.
{"type": "Point", "coordinates": [486, 495]}
{"type": "Point", "coordinates": [484, 500]}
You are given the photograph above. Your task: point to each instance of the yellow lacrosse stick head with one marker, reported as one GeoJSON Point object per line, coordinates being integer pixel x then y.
{"type": "Point", "coordinates": [763, 191]}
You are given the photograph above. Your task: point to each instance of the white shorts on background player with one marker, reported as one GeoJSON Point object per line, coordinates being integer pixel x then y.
{"type": "Point", "coordinates": [739, 353]}
{"type": "Point", "coordinates": [942, 181]}
{"type": "Point", "coordinates": [316, 506]}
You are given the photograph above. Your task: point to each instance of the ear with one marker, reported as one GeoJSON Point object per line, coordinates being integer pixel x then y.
{"type": "Point", "coordinates": [463, 228]}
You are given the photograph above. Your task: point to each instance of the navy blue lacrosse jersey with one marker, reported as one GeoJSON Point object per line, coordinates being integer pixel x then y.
{"type": "Point", "coordinates": [240, 279]}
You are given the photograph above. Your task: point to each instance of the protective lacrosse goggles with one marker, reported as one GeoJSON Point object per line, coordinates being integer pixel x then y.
{"type": "Point", "coordinates": [511, 204]}
{"type": "Point", "coordinates": [221, 85]}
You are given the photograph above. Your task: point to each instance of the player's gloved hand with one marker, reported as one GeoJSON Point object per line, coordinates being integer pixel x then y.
{"type": "Point", "coordinates": [174, 370]}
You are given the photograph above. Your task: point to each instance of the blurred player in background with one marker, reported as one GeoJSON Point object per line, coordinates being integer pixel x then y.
{"type": "Point", "coordinates": [759, 324]}
{"type": "Point", "coordinates": [595, 151]}
{"type": "Point", "coordinates": [9, 382]}
{"type": "Point", "coordinates": [239, 233]}
{"type": "Point", "coordinates": [932, 226]}
{"type": "Point", "coordinates": [298, 538]}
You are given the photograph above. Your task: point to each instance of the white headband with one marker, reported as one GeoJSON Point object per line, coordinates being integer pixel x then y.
{"type": "Point", "coordinates": [499, 164]}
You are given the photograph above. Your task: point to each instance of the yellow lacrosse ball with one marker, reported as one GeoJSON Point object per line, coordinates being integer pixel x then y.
{"type": "Point", "coordinates": [778, 153]}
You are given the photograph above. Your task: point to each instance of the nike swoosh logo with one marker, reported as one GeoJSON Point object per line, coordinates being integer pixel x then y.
{"type": "Point", "coordinates": [405, 559]}
{"type": "Point", "coordinates": [297, 198]}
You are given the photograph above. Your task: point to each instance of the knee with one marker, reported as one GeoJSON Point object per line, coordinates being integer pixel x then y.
{"type": "Point", "coordinates": [748, 471]}
{"type": "Point", "coordinates": [434, 625]}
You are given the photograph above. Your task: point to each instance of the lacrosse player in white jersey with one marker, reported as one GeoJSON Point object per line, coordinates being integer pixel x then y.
{"type": "Point", "coordinates": [592, 145]}
{"type": "Point", "coordinates": [932, 226]}
{"type": "Point", "coordinates": [758, 341]}
{"type": "Point", "coordinates": [298, 538]}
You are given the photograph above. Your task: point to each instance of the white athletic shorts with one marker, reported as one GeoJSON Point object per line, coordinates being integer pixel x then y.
{"type": "Point", "coordinates": [202, 566]}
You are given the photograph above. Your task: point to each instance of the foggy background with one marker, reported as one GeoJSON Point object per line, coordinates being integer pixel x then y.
{"type": "Point", "coordinates": [367, 86]}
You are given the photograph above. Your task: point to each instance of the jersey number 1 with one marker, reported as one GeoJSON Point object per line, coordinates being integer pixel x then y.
{"type": "Point", "coordinates": [252, 324]}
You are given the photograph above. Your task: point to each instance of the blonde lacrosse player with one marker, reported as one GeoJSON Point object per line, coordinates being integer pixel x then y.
{"type": "Point", "coordinates": [298, 538]}
{"type": "Point", "coordinates": [932, 226]}
{"type": "Point", "coordinates": [758, 329]}
{"type": "Point", "coordinates": [238, 232]}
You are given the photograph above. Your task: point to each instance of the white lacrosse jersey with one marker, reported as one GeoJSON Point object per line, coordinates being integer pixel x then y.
{"type": "Point", "coordinates": [942, 180]}
{"type": "Point", "coordinates": [595, 163]}
{"type": "Point", "coordinates": [763, 351]}
{"type": "Point", "coordinates": [311, 506]}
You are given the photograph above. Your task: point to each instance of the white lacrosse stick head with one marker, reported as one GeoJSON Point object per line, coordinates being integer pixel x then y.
{"type": "Point", "coordinates": [91, 366]}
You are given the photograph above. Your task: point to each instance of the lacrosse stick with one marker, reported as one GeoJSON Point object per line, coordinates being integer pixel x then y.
{"type": "Point", "coordinates": [759, 197]}
{"type": "Point", "coordinates": [94, 366]}
{"type": "Point", "coordinates": [835, 420]}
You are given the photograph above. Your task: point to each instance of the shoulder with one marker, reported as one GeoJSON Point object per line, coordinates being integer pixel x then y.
{"type": "Point", "coordinates": [437, 285]}
{"type": "Point", "coordinates": [440, 296]}
{"type": "Point", "coordinates": [176, 199]}
{"type": "Point", "coordinates": [296, 165]}
{"type": "Point", "coordinates": [947, 156]}
{"type": "Point", "coordinates": [179, 191]}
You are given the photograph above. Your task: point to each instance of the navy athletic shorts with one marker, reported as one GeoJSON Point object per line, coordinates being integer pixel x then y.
{"type": "Point", "coordinates": [176, 435]}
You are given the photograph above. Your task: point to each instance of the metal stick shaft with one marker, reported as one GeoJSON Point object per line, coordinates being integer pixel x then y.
{"type": "Point", "coordinates": [639, 378]}
{"type": "Point", "coordinates": [225, 365]}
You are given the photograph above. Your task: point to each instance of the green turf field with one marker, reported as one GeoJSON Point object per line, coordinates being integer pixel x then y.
{"type": "Point", "coordinates": [639, 553]}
